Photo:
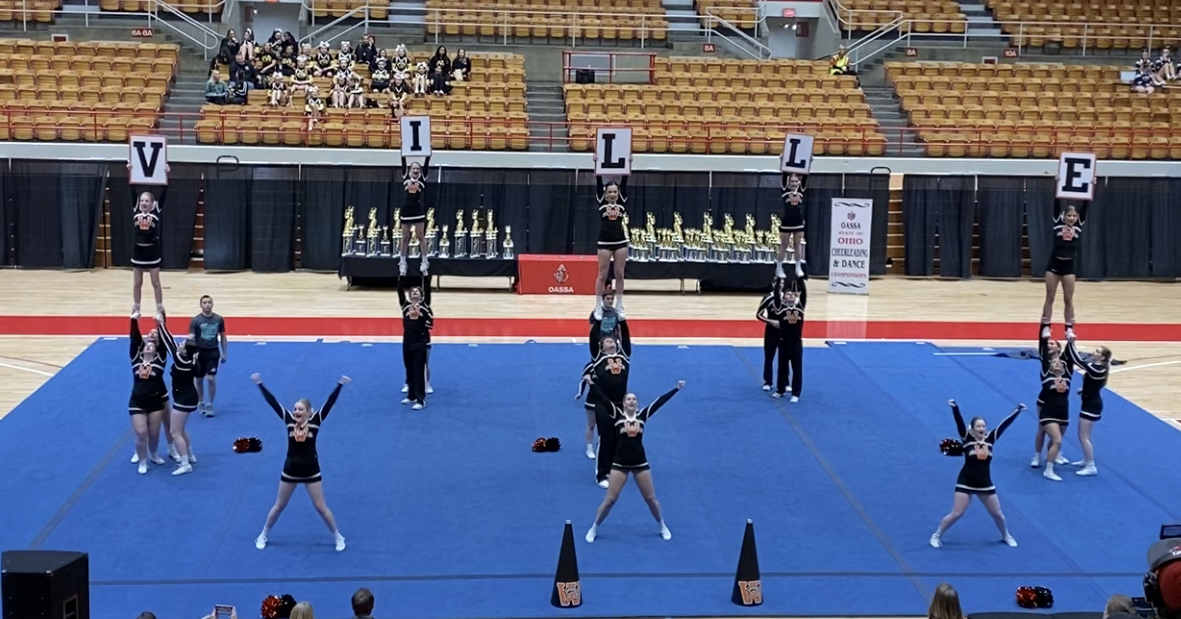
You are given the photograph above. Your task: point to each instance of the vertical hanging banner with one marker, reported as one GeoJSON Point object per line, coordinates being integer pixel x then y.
{"type": "Point", "coordinates": [1076, 176]}
{"type": "Point", "coordinates": [416, 136]}
{"type": "Point", "coordinates": [147, 160]}
{"type": "Point", "coordinates": [797, 154]}
{"type": "Point", "coordinates": [848, 270]}
{"type": "Point", "coordinates": [613, 151]}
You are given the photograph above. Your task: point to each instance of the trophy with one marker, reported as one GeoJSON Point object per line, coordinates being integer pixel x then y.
{"type": "Point", "coordinates": [444, 244]}
{"type": "Point", "coordinates": [509, 254]}
{"type": "Point", "coordinates": [346, 235]}
{"type": "Point", "coordinates": [773, 237]}
{"type": "Point", "coordinates": [371, 234]}
{"type": "Point", "coordinates": [461, 240]}
{"type": "Point", "coordinates": [490, 237]}
{"type": "Point", "coordinates": [385, 241]}
{"type": "Point", "coordinates": [414, 253]}
{"type": "Point", "coordinates": [432, 234]}
{"type": "Point", "coordinates": [475, 240]}
{"type": "Point", "coordinates": [707, 237]}
{"type": "Point", "coordinates": [396, 240]}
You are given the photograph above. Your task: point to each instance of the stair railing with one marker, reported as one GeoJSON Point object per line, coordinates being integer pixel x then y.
{"type": "Point", "coordinates": [360, 13]}
{"type": "Point", "coordinates": [738, 39]}
{"type": "Point", "coordinates": [210, 38]}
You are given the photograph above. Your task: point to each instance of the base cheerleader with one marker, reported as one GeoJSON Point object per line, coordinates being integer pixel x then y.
{"type": "Point", "coordinates": [1068, 228]}
{"type": "Point", "coordinates": [975, 478]}
{"type": "Point", "coordinates": [417, 322]}
{"type": "Point", "coordinates": [768, 309]}
{"type": "Point", "coordinates": [790, 320]}
{"type": "Point", "coordinates": [146, 255]}
{"type": "Point", "coordinates": [610, 371]}
{"type": "Point", "coordinates": [413, 213]}
{"type": "Point", "coordinates": [791, 229]}
{"type": "Point", "coordinates": [149, 396]}
{"type": "Point", "coordinates": [612, 242]}
{"type": "Point", "coordinates": [1095, 371]}
{"type": "Point", "coordinates": [1053, 410]}
{"type": "Point", "coordinates": [302, 466]}
{"type": "Point", "coordinates": [184, 394]}
{"type": "Point", "coordinates": [605, 340]}
{"type": "Point", "coordinates": [628, 424]}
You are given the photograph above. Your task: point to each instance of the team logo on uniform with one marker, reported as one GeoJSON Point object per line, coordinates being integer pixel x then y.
{"type": "Point", "coordinates": [560, 276]}
{"type": "Point", "coordinates": [1060, 385]}
{"type": "Point", "coordinates": [793, 317]}
{"type": "Point", "coordinates": [1068, 233]}
{"type": "Point", "coordinates": [615, 366]}
{"type": "Point", "coordinates": [143, 222]}
{"type": "Point", "coordinates": [795, 198]}
{"type": "Point", "coordinates": [751, 592]}
{"type": "Point", "coordinates": [569, 594]}
{"type": "Point", "coordinates": [144, 371]}
{"type": "Point", "coordinates": [632, 428]}
{"type": "Point", "coordinates": [413, 312]}
{"type": "Point", "coordinates": [613, 211]}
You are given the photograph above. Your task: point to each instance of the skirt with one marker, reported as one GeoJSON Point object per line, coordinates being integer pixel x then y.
{"type": "Point", "coordinates": [412, 212]}
{"type": "Point", "coordinates": [301, 472]}
{"type": "Point", "coordinates": [1060, 267]}
{"type": "Point", "coordinates": [1054, 411]}
{"type": "Point", "coordinates": [146, 256]}
{"type": "Point", "coordinates": [639, 468]}
{"type": "Point", "coordinates": [144, 404]}
{"type": "Point", "coordinates": [793, 220]}
{"type": "Point", "coordinates": [184, 399]}
{"type": "Point", "coordinates": [1092, 409]}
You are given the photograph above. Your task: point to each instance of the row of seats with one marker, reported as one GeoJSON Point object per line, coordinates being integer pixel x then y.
{"type": "Point", "coordinates": [55, 51]}
{"type": "Point", "coordinates": [1033, 142]}
{"type": "Point", "coordinates": [739, 13]}
{"type": "Point", "coordinates": [377, 9]}
{"type": "Point", "coordinates": [548, 25]}
{"type": "Point", "coordinates": [111, 125]}
{"type": "Point", "coordinates": [1093, 24]}
{"type": "Point", "coordinates": [192, 7]}
{"type": "Point", "coordinates": [709, 67]}
{"type": "Point", "coordinates": [938, 16]}
{"type": "Point", "coordinates": [738, 139]}
{"type": "Point", "coordinates": [372, 129]}
{"type": "Point", "coordinates": [15, 97]}
{"type": "Point", "coordinates": [39, 11]}
{"type": "Point", "coordinates": [614, 97]}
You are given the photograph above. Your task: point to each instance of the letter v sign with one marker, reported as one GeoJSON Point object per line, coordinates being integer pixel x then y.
{"type": "Point", "coordinates": [148, 160]}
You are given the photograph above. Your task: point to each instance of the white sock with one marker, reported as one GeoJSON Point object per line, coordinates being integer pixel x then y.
{"type": "Point", "coordinates": [1049, 466]}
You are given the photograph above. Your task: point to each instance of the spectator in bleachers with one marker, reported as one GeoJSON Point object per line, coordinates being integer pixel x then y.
{"type": "Point", "coordinates": [367, 50]}
{"type": "Point", "coordinates": [215, 88]}
{"type": "Point", "coordinates": [1145, 62]}
{"type": "Point", "coordinates": [280, 97]}
{"type": "Point", "coordinates": [461, 67]}
{"type": "Point", "coordinates": [346, 49]}
{"type": "Point", "coordinates": [239, 93]}
{"type": "Point", "coordinates": [401, 59]}
{"type": "Point", "coordinates": [356, 92]}
{"type": "Point", "coordinates": [266, 61]}
{"type": "Point", "coordinates": [440, 82]}
{"type": "Point", "coordinates": [839, 63]}
{"type": "Point", "coordinates": [381, 55]}
{"type": "Point", "coordinates": [324, 64]}
{"type": "Point", "coordinates": [303, 610]}
{"type": "Point", "coordinates": [344, 66]}
{"type": "Point", "coordinates": [439, 61]}
{"type": "Point", "coordinates": [379, 82]}
{"type": "Point", "coordinates": [242, 72]}
{"type": "Point", "coordinates": [421, 80]}
{"type": "Point", "coordinates": [1143, 82]}
{"type": "Point", "coordinates": [945, 604]}
{"type": "Point", "coordinates": [277, 38]}
{"type": "Point", "coordinates": [289, 47]}
{"type": "Point", "coordinates": [339, 98]}
{"type": "Point", "coordinates": [314, 107]}
{"type": "Point", "coordinates": [302, 79]}
{"type": "Point", "coordinates": [362, 604]}
{"type": "Point", "coordinates": [248, 44]}
{"type": "Point", "coordinates": [1163, 68]}
{"type": "Point", "coordinates": [286, 63]}
{"type": "Point", "coordinates": [228, 48]}
{"type": "Point", "coordinates": [399, 91]}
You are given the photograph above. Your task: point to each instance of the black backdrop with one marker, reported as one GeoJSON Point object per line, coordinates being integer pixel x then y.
{"type": "Point", "coordinates": [6, 227]}
{"type": "Point", "coordinates": [56, 207]}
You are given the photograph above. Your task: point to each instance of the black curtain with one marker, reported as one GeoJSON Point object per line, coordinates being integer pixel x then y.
{"type": "Point", "coordinates": [1002, 211]}
{"type": "Point", "coordinates": [943, 207]}
{"type": "Point", "coordinates": [321, 218]}
{"type": "Point", "coordinates": [1166, 227]}
{"type": "Point", "coordinates": [366, 189]}
{"type": "Point", "coordinates": [36, 195]}
{"type": "Point", "coordinates": [274, 195]}
{"type": "Point", "coordinates": [178, 213]}
{"type": "Point", "coordinates": [552, 206]}
{"type": "Point", "coordinates": [503, 192]}
{"type": "Point", "coordinates": [1121, 222]}
{"type": "Point", "coordinates": [81, 197]}
{"type": "Point", "coordinates": [6, 229]}
{"type": "Point", "coordinates": [227, 218]}
{"type": "Point", "coordinates": [874, 187]}
{"type": "Point", "coordinates": [1039, 222]}
{"type": "Point", "coordinates": [818, 195]}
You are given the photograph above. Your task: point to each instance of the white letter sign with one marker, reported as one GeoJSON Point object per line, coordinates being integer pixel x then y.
{"type": "Point", "coordinates": [1076, 176]}
{"type": "Point", "coordinates": [416, 136]}
{"type": "Point", "coordinates": [797, 154]}
{"type": "Point", "coordinates": [613, 151]}
{"type": "Point", "coordinates": [148, 160]}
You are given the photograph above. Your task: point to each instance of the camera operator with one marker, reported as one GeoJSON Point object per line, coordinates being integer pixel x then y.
{"type": "Point", "coordinates": [1162, 583]}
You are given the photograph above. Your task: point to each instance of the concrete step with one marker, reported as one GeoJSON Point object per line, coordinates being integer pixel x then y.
{"type": "Point", "coordinates": [680, 15]}
{"type": "Point", "coordinates": [979, 19]}
{"type": "Point", "coordinates": [981, 31]}
{"type": "Point", "coordinates": [678, 4]}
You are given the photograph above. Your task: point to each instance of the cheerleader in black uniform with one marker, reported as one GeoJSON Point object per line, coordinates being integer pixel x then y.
{"type": "Point", "coordinates": [976, 476]}
{"type": "Point", "coordinates": [610, 371]}
{"type": "Point", "coordinates": [149, 395]}
{"type": "Point", "coordinates": [607, 336]}
{"type": "Point", "coordinates": [1095, 372]}
{"type": "Point", "coordinates": [768, 309]}
{"type": "Point", "coordinates": [184, 394]}
{"type": "Point", "coordinates": [627, 424]}
{"type": "Point", "coordinates": [1053, 411]}
{"type": "Point", "coordinates": [1068, 227]}
{"type": "Point", "coordinates": [613, 242]}
{"type": "Point", "coordinates": [791, 229]}
{"type": "Point", "coordinates": [790, 320]}
{"type": "Point", "coordinates": [417, 322]}
{"type": "Point", "coordinates": [414, 177]}
{"type": "Point", "coordinates": [302, 465]}
{"type": "Point", "coordinates": [146, 255]}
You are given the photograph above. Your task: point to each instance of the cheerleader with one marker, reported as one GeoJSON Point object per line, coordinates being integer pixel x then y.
{"type": "Point", "coordinates": [790, 320]}
{"type": "Point", "coordinates": [975, 477]}
{"type": "Point", "coordinates": [380, 79]}
{"type": "Point", "coordinates": [313, 107]}
{"type": "Point", "coordinates": [401, 61]}
{"type": "Point", "coordinates": [791, 230]}
{"type": "Point", "coordinates": [610, 370]}
{"type": "Point", "coordinates": [356, 92]}
{"type": "Point", "coordinates": [146, 254]}
{"type": "Point", "coordinates": [607, 336]}
{"type": "Point", "coordinates": [414, 177]}
{"type": "Point", "coordinates": [149, 395]}
{"type": "Point", "coordinates": [279, 95]}
{"type": "Point", "coordinates": [324, 63]}
{"type": "Point", "coordinates": [421, 80]}
{"type": "Point", "coordinates": [769, 307]}
{"type": "Point", "coordinates": [417, 322]}
{"type": "Point", "coordinates": [1068, 227]}
{"type": "Point", "coordinates": [301, 81]}
{"type": "Point", "coordinates": [302, 465]}
{"type": "Point", "coordinates": [340, 95]}
{"type": "Point", "coordinates": [613, 242]}
{"type": "Point", "coordinates": [399, 91]}
{"type": "Point", "coordinates": [1053, 411]}
{"type": "Point", "coordinates": [1095, 372]}
{"type": "Point", "coordinates": [627, 424]}
{"type": "Point", "coordinates": [184, 394]}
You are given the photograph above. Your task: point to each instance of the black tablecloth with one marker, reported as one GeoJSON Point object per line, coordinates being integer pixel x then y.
{"type": "Point", "coordinates": [714, 276]}
{"type": "Point", "coordinates": [383, 272]}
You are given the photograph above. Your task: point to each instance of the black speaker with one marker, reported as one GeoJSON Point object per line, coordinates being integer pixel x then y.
{"type": "Point", "coordinates": [45, 584]}
{"type": "Point", "coordinates": [584, 76]}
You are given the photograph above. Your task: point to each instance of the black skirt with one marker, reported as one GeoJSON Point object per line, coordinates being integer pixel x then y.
{"type": "Point", "coordinates": [1060, 267]}
{"type": "Point", "coordinates": [184, 398]}
{"type": "Point", "coordinates": [301, 471]}
{"type": "Point", "coordinates": [793, 220]}
{"type": "Point", "coordinates": [146, 256]}
{"type": "Point", "coordinates": [1054, 410]}
{"type": "Point", "coordinates": [1092, 408]}
{"type": "Point", "coordinates": [149, 403]}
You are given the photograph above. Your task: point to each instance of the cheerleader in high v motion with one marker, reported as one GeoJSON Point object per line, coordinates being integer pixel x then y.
{"type": "Point", "coordinates": [184, 394]}
{"type": "Point", "coordinates": [146, 254]}
{"type": "Point", "coordinates": [413, 214]}
{"type": "Point", "coordinates": [1095, 371]}
{"type": "Point", "coordinates": [628, 424]}
{"type": "Point", "coordinates": [768, 310]}
{"type": "Point", "coordinates": [302, 466]}
{"type": "Point", "coordinates": [975, 478]}
{"type": "Point", "coordinates": [613, 241]}
{"type": "Point", "coordinates": [791, 230]}
{"type": "Point", "coordinates": [1053, 411]}
{"type": "Point", "coordinates": [417, 322]}
{"type": "Point", "coordinates": [1068, 228]}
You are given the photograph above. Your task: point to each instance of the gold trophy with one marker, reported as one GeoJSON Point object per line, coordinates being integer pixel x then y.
{"type": "Point", "coordinates": [444, 244]}
{"type": "Point", "coordinates": [509, 254]}
{"type": "Point", "coordinates": [461, 239]}
{"type": "Point", "coordinates": [372, 234]}
{"type": "Point", "coordinates": [385, 241]}
{"type": "Point", "coordinates": [396, 240]}
{"type": "Point", "coordinates": [707, 237]}
{"type": "Point", "coordinates": [475, 240]}
{"type": "Point", "coordinates": [491, 235]}
{"type": "Point", "coordinates": [346, 234]}
{"type": "Point", "coordinates": [414, 253]}
{"type": "Point", "coordinates": [432, 234]}
{"type": "Point", "coordinates": [677, 238]}
{"type": "Point", "coordinates": [773, 238]}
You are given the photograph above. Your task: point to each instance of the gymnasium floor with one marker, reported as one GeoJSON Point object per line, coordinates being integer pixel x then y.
{"type": "Point", "coordinates": [449, 515]}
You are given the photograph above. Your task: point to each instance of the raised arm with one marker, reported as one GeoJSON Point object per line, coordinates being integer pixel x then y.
{"type": "Point", "coordinates": [1057, 210]}
{"type": "Point", "coordinates": [270, 398]}
{"type": "Point", "coordinates": [1006, 422]}
{"type": "Point", "coordinates": [405, 169]}
{"type": "Point", "coordinates": [1082, 212]}
{"type": "Point", "coordinates": [596, 338]}
{"type": "Point", "coordinates": [166, 335]}
{"type": "Point", "coordinates": [959, 419]}
{"type": "Point", "coordinates": [661, 401]}
{"type": "Point", "coordinates": [1043, 342]}
{"type": "Point", "coordinates": [783, 181]}
{"type": "Point", "coordinates": [426, 289]}
{"type": "Point", "coordinates": [331, 400]}
{"type": "Point", "coordinates": [426, 168]}
{"type": "Point", "coordinates": [401, 292]}
{"type": "Point", "coordinates": [600, 189]}
{"type": "Point", "coordinates": [623, 189]}
{"type": "Point", "coordinates": [625, 336]}
{"type": "Point", "coordinates": [803, 290]}
{"type": "Point", "coordinates": [137, 340]}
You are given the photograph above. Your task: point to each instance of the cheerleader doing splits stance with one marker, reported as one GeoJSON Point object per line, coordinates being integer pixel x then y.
{"type": "Point", "coordinates": [417, 322]}
{"type": "Point", "coordinates": [302, 465]}
{"type": "Point", "coordinates": [1068, 228]}
{"type": "Point", "coordinates": [769, 308]}
{"type": "Point", "coordinates": [1053, 411]}
{"type": "Point", "coordinates": [613, 242]}
{"type": "Point", "coordinates": [149, 396]}
{"type": "Point", "coordinates": [413, 212]}
{"type": "Point", "coordinates": [610, 371]}
{"type": "Point", "coordinates": [184, 394]}
{"type": "Point", "coordinates": [628, 424]}
{"type": "Point", "coordinates": [791, 230]}
{"type": "Point", "coordinates": [976, 475]}
{"type": "Point", "coordinates": [1095, 372]}
{"type": "Point", "coordinates": [146, 255]}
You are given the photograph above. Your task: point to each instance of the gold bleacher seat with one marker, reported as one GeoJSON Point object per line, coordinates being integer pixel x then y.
{"type": "Point", "coordinates": [929, 16]}
{"type": "Point", "coordinates": [1103, 25]}
{"type": "Point", "coordinates": [1034, 110]}
{"type": "Point", "coordinates": [742, 14]}
{"type": "Point", "coordinates": [335, 9]}
{"type": "Point", "coordinates": [607, 20]}
{"type": "Point", "coordinates": [710, 106]}
{"type": "Point", "coordinates": [88, 91]}
{"type": "Point", "coordinates": [40, 11]}
{"type": "Point", "coordinates": [487, 113]}
{"type": "Point", "coordinates": [192, 7]}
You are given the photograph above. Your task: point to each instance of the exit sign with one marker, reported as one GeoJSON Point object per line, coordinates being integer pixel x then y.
{"type": "Point", "coordinates": [789, 13]}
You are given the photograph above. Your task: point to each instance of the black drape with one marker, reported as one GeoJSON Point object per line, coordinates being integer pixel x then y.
{"type": "Point", "coordinates": [1002, 211]}
{"type": "Point", "coordinates": [36, 195]}
{"type": "Point", "coordinates": [6, 229]}
{"type": "Point", "coordinates": [1039, 222]}
{"type": "Point", "coordinates": [938, 211]}
{"type": "Point", "coordinates": [274, 193]}
{"type": "Point", "coordinates": [178, 213]}
{"type": "Point", "coordinates": [1121, 222]}
{"type": "Point", "coordinates": [81, 197]}
{"type": "Point", "coordinates": [322, 218]}
{"type": "Point", "coordinates": [818, 195]}
{"type": "Point", "coordinates": [1166, 227]}
{"type": "Point", "coordinates": [504, 192]}
{"type": "Point", "coordinates": [552, 207]}
{"type": "Point", "coordinates": [227, 218]}
{"type": "Point", "coordinates": [874, 187]}
{"type": "Point", "coordinates": [366, 189]}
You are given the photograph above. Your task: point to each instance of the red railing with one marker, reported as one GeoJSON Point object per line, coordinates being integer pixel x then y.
{"type": "Point", "coordinates": [643, 71]}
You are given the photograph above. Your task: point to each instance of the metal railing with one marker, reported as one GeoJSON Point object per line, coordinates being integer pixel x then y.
{"type": "Point", "coordinates": [612, 65]}
{"type": "Point", "coordinates": [209, 40]}
{"type": "Point", "coordinates": [739, 40]}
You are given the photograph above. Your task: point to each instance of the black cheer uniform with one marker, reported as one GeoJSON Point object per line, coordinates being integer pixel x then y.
{"type": "Point", "coordinates": [612, 232]}
{"type": "Point", "coordinates": [147, 253]}
{"type": "Point", "coordinates": [610, 374]}
{"type": "Point", "coordinates": [414, 207]}
{"type": "Point", "coordinates": [184, 373]}
{"type": "Point", "coordinates": [610, 326]}
{"type": "Point", "coordinates": [793, 206]}
{"type": "Point", "coordinates": [417, 322]}
{"type": "Point", "coordinates": [1094, 380]}
{"type": "Point", "coordinates": [628, 431]}
{"type": "Point", "coordinates": [791, 341]}
{"type": "Point", "coordinates": [1054, 399]}
{"type": "Point", "coordinates": [148, 391]}
{"type": "Point", "coordinates": [302, 465]}
{"type": "Point", "coordinates": [768, 309]}
{"type": "Point", "coordinates": [976, 475]}
{"type": "Point", "coordinates": [1066, 241]}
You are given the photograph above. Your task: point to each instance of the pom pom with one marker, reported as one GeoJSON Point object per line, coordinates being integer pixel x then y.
{"type": "Point", "coordinates": [287, 604]}
{"type": "Point", "coordinates": [1035, 597]}
{"type": "Point", "coordinates": [1045, 598]}
{"type": "Point", "coordinates": [242, 445]}
{"type": "Point", "coordinates": [552, 444]}
{"type": "Point", "coordinates": [951, 447]}
{"type": "Point", "coordinates": [254, 445]}
{"type": "Point", "coordinates": [271, 606]}
{"type": "Point", "coordinates": [539, 445]}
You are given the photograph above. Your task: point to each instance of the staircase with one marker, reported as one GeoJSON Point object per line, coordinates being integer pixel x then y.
{"type": "Point", "coordinates": [683, 26]}
{"type": "Point", "coordinates": [546, 105]}
{"type": "Point", "coordinates": [892, 119]}
{"type": "Point", "coordinates": [980, 22]}
{"type": "Point", "coordinates": [186, 96]}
